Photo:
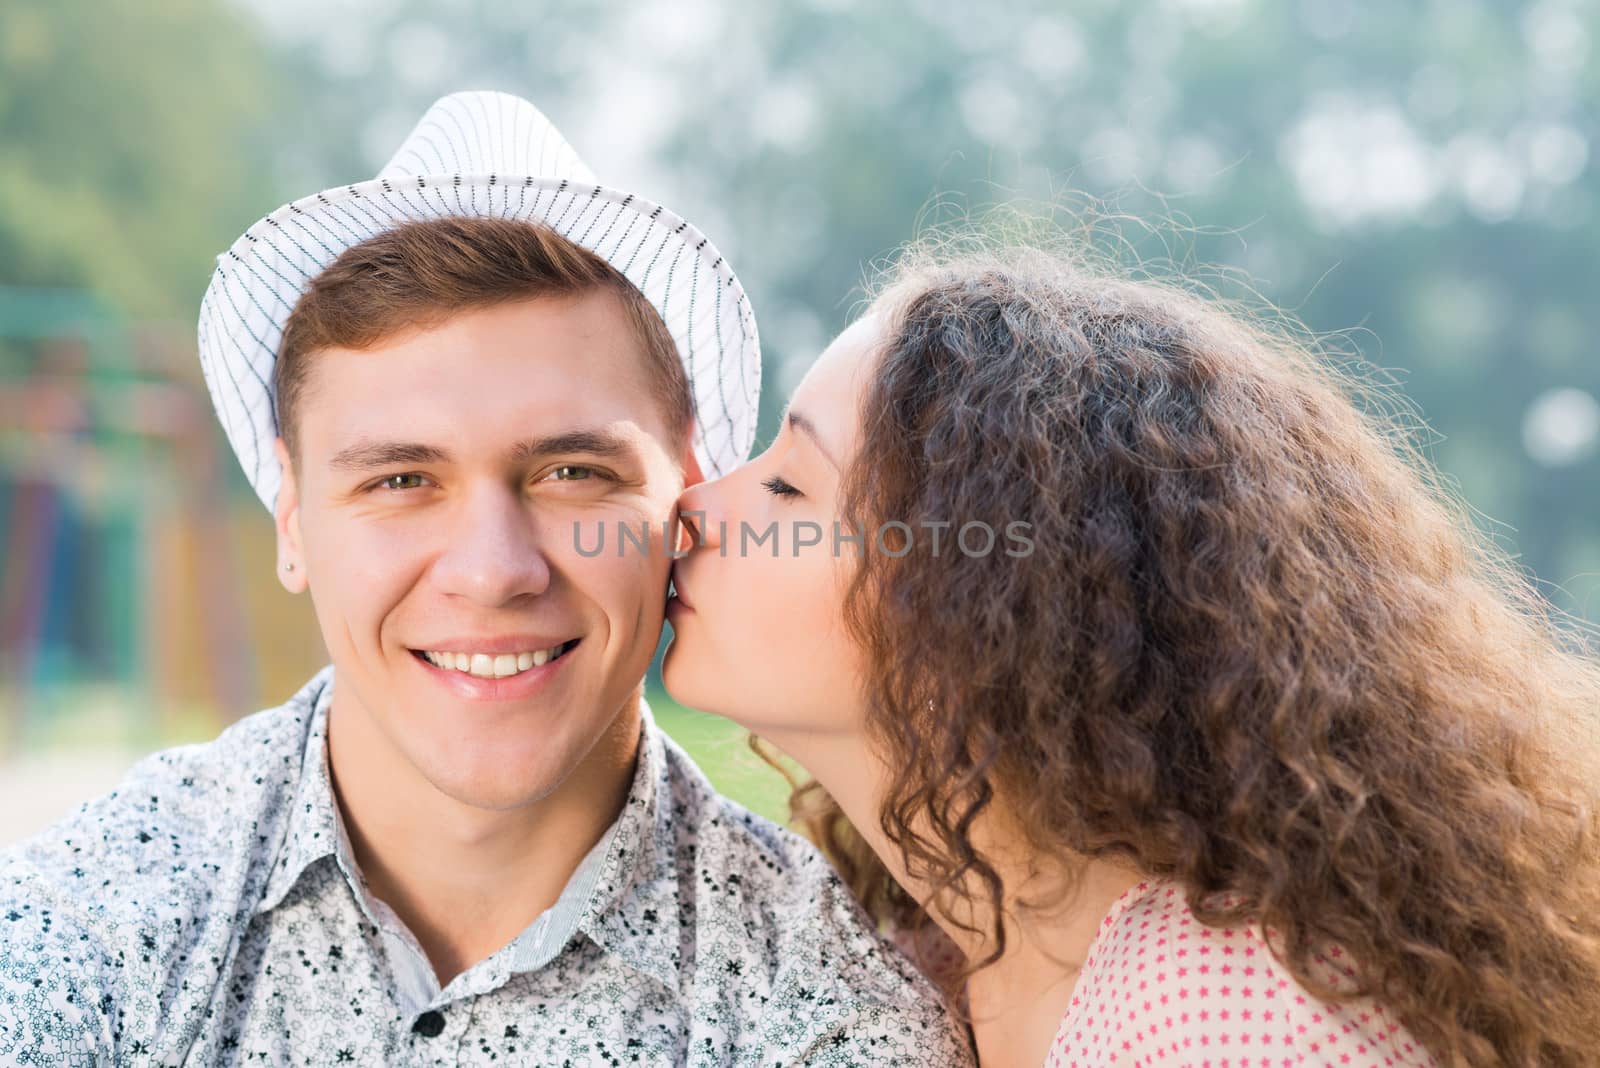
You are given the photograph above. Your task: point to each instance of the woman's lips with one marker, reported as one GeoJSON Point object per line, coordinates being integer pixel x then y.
{"type": "Point", "coordinates": [677, 592]}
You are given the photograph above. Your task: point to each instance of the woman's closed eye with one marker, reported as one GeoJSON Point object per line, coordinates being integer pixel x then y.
{"type": "Point", "coordinates": [779, 488]}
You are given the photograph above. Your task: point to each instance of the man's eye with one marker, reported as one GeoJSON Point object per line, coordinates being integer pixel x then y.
{"type": "Point", "coordinates": [572, 473]}
{"type": "Point", "coordinates": [410, 480]}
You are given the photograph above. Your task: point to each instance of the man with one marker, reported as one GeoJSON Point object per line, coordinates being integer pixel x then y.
{"type": "Point", "coordinates": [465, 842]}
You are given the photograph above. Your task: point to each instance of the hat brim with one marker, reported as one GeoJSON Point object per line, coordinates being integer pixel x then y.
{"type": "Point", "coordinates": [260, 279]}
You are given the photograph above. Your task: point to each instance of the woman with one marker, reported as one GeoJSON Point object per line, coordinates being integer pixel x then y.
{"type": "Point", "coordinates": [1228, 743]}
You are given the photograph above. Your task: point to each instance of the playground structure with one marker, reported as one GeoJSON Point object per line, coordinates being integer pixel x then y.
{"type": "Point", "coordinates": [136, 575]}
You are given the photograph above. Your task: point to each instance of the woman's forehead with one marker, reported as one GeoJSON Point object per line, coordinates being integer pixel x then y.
{"type": "Point", "coordinates": [830, 394]}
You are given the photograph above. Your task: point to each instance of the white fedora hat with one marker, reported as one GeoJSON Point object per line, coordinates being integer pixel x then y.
{"type": "Point", "coordinates": [479, 154]}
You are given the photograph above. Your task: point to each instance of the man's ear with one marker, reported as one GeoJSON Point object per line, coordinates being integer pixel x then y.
{"type": "Point", "coordinates": [286, 516]}
{"type": "Point", "coordinates": [692, 475]}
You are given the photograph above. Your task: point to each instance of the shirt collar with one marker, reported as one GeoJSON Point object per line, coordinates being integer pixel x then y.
{"type": "Point", "coordinates": [625, 893]}
{"type": "Point", "coordinates": [315, 830]}
{"type": "Point", "coordinates": [633, 910]}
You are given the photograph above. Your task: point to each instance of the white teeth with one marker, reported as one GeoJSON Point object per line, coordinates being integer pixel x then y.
{"type": "Point", "coordinates": [499, 666]}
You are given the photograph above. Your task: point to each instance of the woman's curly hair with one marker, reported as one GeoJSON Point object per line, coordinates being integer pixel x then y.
{"type": "Point", "coordinates": [1257, 647]}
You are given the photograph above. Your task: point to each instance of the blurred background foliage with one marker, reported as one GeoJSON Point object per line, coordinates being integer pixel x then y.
{"type": "Point", "coordinates": [1417, 178]}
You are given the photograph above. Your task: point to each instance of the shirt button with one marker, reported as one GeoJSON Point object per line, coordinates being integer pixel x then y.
{"type": "Point", "coordinates": [429, 1024]}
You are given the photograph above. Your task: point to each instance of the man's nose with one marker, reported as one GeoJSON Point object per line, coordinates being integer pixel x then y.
{"type": "Point", "coordinates": [495, 553]}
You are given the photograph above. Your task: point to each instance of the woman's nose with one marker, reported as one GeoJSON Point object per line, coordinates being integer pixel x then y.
{"type": "Point", "coordinates": [700, 519]}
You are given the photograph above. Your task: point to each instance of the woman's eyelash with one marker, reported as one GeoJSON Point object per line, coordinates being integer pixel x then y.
{"type": "Point", "coordinates": [779, 488]}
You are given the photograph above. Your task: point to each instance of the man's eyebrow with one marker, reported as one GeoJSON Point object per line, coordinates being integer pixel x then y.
{"type": "Point", "coordinates": [365, 455]}
{"type": "Point", "coordinates": [603, 443]}
{"type": "Point", "coordinates": [803, 424]}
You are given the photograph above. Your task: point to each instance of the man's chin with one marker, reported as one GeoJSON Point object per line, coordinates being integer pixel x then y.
{"type": "Point", "coordinates": [487, 766]}
{"type": "Point", "coordinates": [496, 788]}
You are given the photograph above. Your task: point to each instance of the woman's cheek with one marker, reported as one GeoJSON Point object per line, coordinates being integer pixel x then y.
{"type": "Point", "coordinates": [810, 600]}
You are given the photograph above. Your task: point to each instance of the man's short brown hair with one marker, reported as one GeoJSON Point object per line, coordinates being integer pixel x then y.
{"type": "Point", "coordinates": [420, 273]}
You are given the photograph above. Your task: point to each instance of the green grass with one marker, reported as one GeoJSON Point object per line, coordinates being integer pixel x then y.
{"type": "Point", "coordinates": [719, 747]}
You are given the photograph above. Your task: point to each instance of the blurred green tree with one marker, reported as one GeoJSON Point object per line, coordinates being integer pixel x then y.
{"type": "Point", "coordinates": [1418, 176]}
{"type": "Point", "coordinates": [1421, 176]}
{"type": "Point", "coordinates": [129, 146]}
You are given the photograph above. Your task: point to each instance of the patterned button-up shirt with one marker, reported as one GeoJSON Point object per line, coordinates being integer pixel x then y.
{"type": "Point", "coordinates": [209, 911]}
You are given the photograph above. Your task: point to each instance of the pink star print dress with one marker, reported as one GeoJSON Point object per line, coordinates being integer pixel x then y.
{"type": "Point", "coordinates": [1160, 989]}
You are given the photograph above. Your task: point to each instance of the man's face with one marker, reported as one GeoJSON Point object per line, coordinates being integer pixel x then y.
{"type": "Point", "coordinates": [432, 512]}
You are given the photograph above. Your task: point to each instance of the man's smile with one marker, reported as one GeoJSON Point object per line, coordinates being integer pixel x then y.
{"type": "Point", "coordinates": [494, 675]}
{"type": "Point", "coordinates": [492, 660]}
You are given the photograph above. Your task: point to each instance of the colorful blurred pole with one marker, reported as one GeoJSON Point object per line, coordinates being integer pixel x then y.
{"type": "Point", "coordinates": [224, 621]}
{"type": "Point", "coordinates": [73, 529]}
{"type": "Point", "coordinates": [25, 593]}
{"type": "Point", "coordinates": [108, 462]}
